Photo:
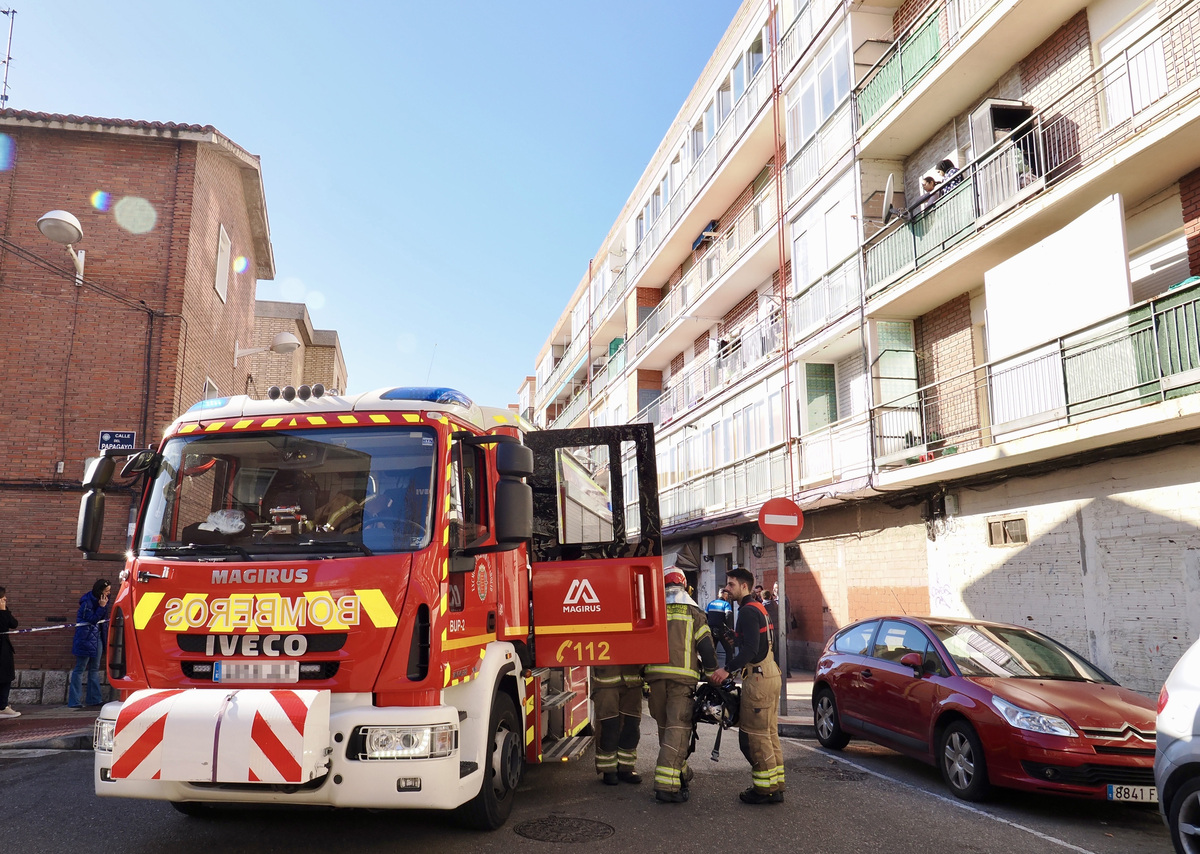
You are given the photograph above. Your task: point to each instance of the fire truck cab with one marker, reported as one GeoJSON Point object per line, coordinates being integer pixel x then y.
{"type": "Point", "coordinates": [387, 600]}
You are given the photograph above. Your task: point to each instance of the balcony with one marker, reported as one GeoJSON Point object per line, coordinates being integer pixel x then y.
{"type": "Point", "coordinates": [819, 153]}
{"type": "Point", "coordinates": [726, 250]}
{"type": "Point", "coordinates": [934, 70]}
{"type": "Point", "coordinates": [566, 368]}
{"type": "Point", "coordinates": [825, 301]}
{"type": "Point", "coordinates": [576, 408]}
{"type": "Point", "coordinates": [1147, 355]}
{"type": "Point", "coordinates": [613, 368]}
{"type": "Point", "coordinates": [751, 349]}
{"type": "Point", "coordinates": [739, 486]}
{"type": "Point", "coordinates": [1122, 103]}
{"type": "Point", "coordinates": [839, 451]}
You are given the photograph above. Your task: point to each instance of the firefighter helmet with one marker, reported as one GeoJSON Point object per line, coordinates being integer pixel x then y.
{"type": "Point", "coordinates": [674, 575]}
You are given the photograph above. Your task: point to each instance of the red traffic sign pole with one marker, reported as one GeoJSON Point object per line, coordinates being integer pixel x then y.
{"type": "Point", "coordinates": [780, 520]}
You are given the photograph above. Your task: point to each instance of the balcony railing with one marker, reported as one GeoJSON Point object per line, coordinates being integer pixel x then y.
{"type": "Point", "coordinates": [1148, 354]}
{"type": "Point", "coordinates": [568, 362]}
{"type": "Point", "coordinates": [826, 300]}
{"type": "Point", "coordinates": [759, 216]}
{"type": "Point", "coordinates": [613, 368]}
{"type": "Point", "coordinates": [912, 55]}
{"type": "Point", "coordinates": [749, 350]}
{"type": "Point", "coordinates": [838, 451]}
{"type": "Point", "coordinates": [737, 486]}
{"type": "Point", "coordinates": [805, 25]}
{"type": "Point", "coordinates": [819, 152]}
{"type": "Point", "coordinates": [1094, 117]}
{"type": "Point", "coordinates": [757, 93]}
{"type": "Point", "coordinates": [574, 409]}
{"type": "Point", "coordinates": [611, 298]}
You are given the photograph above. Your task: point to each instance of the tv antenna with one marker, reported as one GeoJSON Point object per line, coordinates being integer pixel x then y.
{"type": "Point", "coordinates": [12, 16]}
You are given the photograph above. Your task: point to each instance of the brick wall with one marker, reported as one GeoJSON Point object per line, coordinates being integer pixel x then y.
{"type": "Point", "coordinates": [1058, 63]}
{"type": "Point", "coordinates": [1189, 195]}
{"type": "Point", "coordinates": [946, 356]}
{"type": "Point", "coordinates": [80, 355]}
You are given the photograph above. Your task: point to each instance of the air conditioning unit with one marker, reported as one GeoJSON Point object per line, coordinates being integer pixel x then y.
{"type": "Point", "coordinates": [616, 261]}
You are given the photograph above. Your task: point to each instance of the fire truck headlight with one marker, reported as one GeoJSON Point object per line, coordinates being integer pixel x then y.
{"type": "Point", "coordinates": [408, 742]}
{"type": "Point", "coordinates": [102, 736]}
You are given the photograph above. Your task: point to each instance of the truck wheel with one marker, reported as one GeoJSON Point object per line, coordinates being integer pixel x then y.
{"type": "Point", "coordinates": [501, 771]}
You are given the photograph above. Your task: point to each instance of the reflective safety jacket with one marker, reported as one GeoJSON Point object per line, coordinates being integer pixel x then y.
{"type": "Point", "coordinates": [690, 643]}
{"type": "Point", "coordinates": [628, 675]}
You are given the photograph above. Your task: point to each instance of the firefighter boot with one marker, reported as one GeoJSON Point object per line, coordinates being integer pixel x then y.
{"type": "Point", "coordinates": [610, 778]}
{"type": "Point", "coordinates": [671, 797]}
{"type": "Point", "coordinates": [628, 775]}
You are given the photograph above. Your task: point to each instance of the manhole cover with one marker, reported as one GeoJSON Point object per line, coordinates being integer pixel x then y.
{"type": "Point", "coordinates": [834, 773]}
{"type": "Point", "coordinates": [564, 829]}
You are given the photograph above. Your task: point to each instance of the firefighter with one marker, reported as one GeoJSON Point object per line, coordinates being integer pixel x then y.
{"type": "Point", "coordinates": [672, 685]}
{"type": "Point", "coordinates": [617, 704]}
{"type": "Point", "coordinates": [758, 726]}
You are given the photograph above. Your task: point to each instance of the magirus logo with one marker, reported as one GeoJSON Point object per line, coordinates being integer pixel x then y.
{"type": "Point", "coordinates": [581, 598]}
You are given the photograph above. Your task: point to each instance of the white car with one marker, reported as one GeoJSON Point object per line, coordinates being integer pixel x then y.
{"type": "Point", "coordinates": [1177, 755]}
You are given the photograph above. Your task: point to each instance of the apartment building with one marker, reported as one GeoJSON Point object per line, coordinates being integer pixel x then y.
{"type": "Point", "coordinates": [981, 388]}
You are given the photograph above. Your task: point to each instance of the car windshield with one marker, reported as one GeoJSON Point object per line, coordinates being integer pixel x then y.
{"type": "Point", "coordinates": [345, 491]}
{"type": "Point", "coordinates": [981, 650]}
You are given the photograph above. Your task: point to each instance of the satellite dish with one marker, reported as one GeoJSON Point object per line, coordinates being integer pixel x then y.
{"type": "Point", "coordinates": [888, 210]}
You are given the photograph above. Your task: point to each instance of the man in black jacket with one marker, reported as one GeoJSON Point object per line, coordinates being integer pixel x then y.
{"type": "Point", "coordinates": [8, 671]}
{"type": "Point", "coordinates": [758, 725]}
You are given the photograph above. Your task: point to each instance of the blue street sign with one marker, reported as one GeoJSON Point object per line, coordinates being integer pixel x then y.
{"type": "Point", "coordinates": [121, 440]}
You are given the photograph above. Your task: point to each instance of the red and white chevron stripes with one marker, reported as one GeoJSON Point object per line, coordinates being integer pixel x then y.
{"type": "Point", "coordinates": [222, 736]}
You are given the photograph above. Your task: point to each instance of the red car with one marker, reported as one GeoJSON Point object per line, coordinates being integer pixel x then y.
{"type": "Point", "coordinates": [989, 704]}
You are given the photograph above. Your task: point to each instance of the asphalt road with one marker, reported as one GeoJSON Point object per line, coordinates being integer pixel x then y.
{"type": "Point", "coordinates": [865, 799]}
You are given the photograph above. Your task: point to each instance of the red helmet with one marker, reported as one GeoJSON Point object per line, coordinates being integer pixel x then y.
{"type": "Point", "coordinates": [675, 576]}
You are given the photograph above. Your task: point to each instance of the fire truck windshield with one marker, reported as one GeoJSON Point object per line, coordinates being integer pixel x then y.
{"type": "Point", "coordinates": [245, 495]}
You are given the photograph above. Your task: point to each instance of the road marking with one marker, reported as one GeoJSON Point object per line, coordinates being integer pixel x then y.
{"type": "Point", "coordinates": [949, 800]}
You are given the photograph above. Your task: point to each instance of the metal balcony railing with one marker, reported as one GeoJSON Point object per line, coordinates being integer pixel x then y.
{"type": "Point", "coordinates": [819, 153]}
{"type": "Point", "coordinates": [758, 93]}
{"type": "Point", "coordinates": [574, 409]}
{"type": "Point", "coordinates": [613, 368]}
{"type": "Point", "coordinates": [913, 54]}
{"type": "Point", "coordinates": [1148, 354]}
{"type": "Point", "coordinates": [725, 250]}
{"type": "Point", "coordinates": [826, 300]}
{"type": "Point", "coordinates": [750, 349]}
{"type": "Point", "coordinates": [1094, 117]}
{"type": "Point", "coordinates": [836, 452]}
{"type": "Point", "coordinates": [568, 362]}
{"type": "Point", "coordinates": [737, 486]}
{"type": "Point", "coordinates": [799, 36]}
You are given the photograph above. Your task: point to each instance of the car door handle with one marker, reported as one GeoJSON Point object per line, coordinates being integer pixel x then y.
{"type": "Point", "coordinates": [867, 674]}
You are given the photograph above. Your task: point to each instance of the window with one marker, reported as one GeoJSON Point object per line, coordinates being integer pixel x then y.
{"type": "Point", "coordinates": [820, 385]}
{"type": "Point", "coordinates": [724, 100]}
{"type": "Point", "coordinates": [210, 390]}
{"type": "Point", "coordinates": [896, 640]}
{"type": "Point", "coordinates": [738, 78]}
{"type": "Point", "coordinates": [641, 227]}
{"type": "Point", "coordinates": [697, 140]}
{"type": "Point", "coordinates": [221, 279]}
{"type": "Point", "coordinates": [1007, 532]}
{"type": "Point", "coordinates": [1135, 73]}
{"type": "Point", "coordinates": [855, 640]}
{"type": "Point", "coordinates": [584, 495]}
{"type": "Point", "coordinates": [468, 505]}
{"type": "Point", "coordinates": [754, 56]}
{"type": "Point", "coordinates": [822, 88]}
{"type": "Point", "coordinates": [710, 123]}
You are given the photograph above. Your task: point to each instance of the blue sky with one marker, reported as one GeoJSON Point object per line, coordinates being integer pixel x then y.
{"type": "Point", "coordinates": [437, 174]}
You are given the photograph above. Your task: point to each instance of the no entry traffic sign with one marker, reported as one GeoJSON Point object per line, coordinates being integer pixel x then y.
{"type": "Point", "coordinates": [780, 520]}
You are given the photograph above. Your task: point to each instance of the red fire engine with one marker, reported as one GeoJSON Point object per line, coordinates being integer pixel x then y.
{"type": "Point", "coordinates": [387, 600]}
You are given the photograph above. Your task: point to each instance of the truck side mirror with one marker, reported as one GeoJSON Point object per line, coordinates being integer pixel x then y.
{"type": "Point", "coordinates": [514, 512]}
{"type": "Point", "coordinates": [99, 472]}
{"type": "Point", "coordinates": [140, 462]}
{"type": "Point", "coordinates": [514, 460]}
{"type": "Point", "coordinates": [91, 520]}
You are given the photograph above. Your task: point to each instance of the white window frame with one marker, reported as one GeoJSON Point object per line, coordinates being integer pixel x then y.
{"type": "Point", "coordinates": [221, 276]}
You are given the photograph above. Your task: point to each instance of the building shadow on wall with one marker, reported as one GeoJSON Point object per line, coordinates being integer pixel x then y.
{"type": "Point", "coordinates": [1116, 582]}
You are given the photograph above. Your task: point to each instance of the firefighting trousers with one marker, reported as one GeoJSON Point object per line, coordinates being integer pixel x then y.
{"type": "Point", "coordinates": [671, 708]}
{"type": "Point", "coordinates": [758, 725]}
{"type": "Point", "coordinates": [618, 713]}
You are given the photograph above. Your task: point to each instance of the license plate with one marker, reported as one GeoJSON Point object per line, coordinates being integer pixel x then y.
{"type": "Point", "coordinates": [242, 671]}
{"type": "Point", "coordinates": [1140, 794]}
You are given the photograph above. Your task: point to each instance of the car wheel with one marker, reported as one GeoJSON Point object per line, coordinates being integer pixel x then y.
{"type": "Point", "coordinates": [828, 725]}
{"type": "Point", "coordinates": [502, 772]}
{"type": "Point", "coordinates": [1183, 817]}
{"type": "Point", "coordinates": [961, 760]}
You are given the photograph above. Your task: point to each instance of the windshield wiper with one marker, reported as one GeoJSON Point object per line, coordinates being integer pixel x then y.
{"type": "Point", "coordinates": [198, 549]}
{"type": "Point", "coordinates": [333, 545]}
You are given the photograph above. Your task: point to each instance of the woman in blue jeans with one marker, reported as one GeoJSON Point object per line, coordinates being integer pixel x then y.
{"type": "Point", "coordinates": [88, 646]}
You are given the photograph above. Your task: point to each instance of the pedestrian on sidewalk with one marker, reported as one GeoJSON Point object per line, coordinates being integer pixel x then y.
{"type": "Point", "coordinates": [88, 645]}
{"type": "Point", "coordinates": [8, 667]}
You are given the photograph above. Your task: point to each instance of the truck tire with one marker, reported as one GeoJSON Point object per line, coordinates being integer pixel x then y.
{"type": "Point", "coordinates": [502, 769]}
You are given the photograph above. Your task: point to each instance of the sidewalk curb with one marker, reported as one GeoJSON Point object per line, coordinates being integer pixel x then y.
{"type": "Point", "coordinates": [72, 741]}
{"type": "Point", "coordinates": [797, 730]}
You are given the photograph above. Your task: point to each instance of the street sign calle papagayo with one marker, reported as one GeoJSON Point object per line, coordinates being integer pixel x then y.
{"type": "Point", "coordinates": [121, 440]}
{"type": "Point", "coordinates": [780, 520]}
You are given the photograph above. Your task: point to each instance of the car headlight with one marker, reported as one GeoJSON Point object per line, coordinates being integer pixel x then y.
{"type": "Point", "coordinates": [1032, 721]}
{"type": "Point", "coordinates": [102, 735]}
{"type": "Point", "coordinates": [408, 742]}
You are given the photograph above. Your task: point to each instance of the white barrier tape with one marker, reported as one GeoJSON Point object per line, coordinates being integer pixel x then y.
{"type": "Point", "coordinates": [98, 623]}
